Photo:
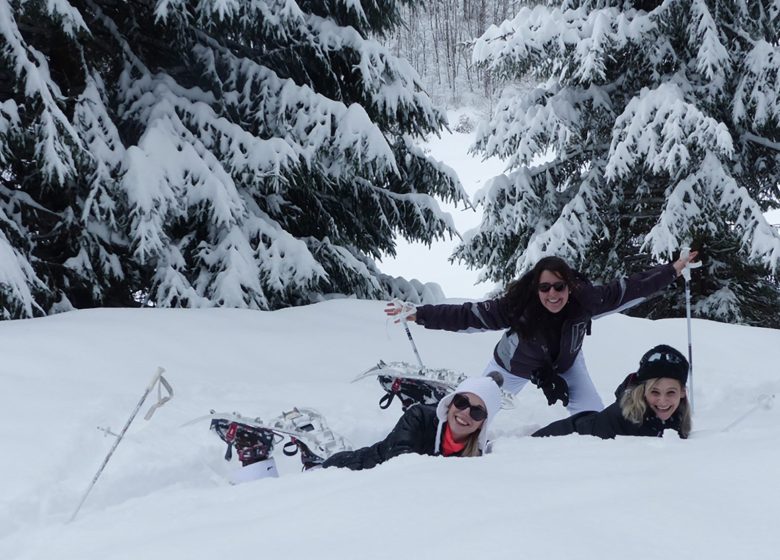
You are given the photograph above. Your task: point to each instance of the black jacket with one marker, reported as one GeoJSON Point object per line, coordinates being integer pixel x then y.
{"type": "Point", "coordinates": [609, 423]}
{"type": "Point", "coordinates": [415, 432]}
{"type": "Point", "coordinates": [523, 357]}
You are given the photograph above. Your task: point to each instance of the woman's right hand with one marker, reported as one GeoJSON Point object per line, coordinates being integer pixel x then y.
{"type": "Point", "coordinates": [401, 310]}
{"type": "Point", "coordinates": [680, 264]}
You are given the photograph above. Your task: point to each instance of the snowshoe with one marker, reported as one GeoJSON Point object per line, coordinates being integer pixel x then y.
{"type": "Point", "coordinates": [413, 384]}
{"type": "Point", "coordinates": [251, 442]}
{"type": "Point", "coordinates": [254, 439]}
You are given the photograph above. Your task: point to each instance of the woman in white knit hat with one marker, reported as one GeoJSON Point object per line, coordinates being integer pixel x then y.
{"type": "Point", "coordinates": [457, 426]}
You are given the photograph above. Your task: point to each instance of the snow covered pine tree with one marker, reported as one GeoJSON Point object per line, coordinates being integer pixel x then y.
{"type": "Point", "coordinates": [216, 152]}
{"type": "Point", "coordinates": [659, 125]}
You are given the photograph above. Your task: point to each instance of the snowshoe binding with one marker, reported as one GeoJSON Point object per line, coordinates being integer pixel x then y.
{"type": "Point", "coordinates": [416, 385]}
{"type": "Point", "coordinates": [254, 439]}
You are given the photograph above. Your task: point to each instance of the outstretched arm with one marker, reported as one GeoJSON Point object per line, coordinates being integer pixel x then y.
{"type": "Point", "coordinates": [405, 438]}
{"type": "Point", "coordinates": [489, 315]}
{"type": "Point", "coordinates": [627, 292]}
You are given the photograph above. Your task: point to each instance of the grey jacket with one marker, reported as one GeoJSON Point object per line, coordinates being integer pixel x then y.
{"type": "Point", "coordinates": [586, 302]}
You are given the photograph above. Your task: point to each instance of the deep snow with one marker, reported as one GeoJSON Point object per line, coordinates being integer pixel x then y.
{"type": "Point", "coordinates": [164, 495]}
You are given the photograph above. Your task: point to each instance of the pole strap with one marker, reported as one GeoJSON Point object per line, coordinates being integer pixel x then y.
{"type": "Point", "coordinates": [161, 400]}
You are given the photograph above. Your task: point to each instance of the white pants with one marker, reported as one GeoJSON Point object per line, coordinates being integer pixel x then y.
{"type": "Point", "coordinates": [582, 393]}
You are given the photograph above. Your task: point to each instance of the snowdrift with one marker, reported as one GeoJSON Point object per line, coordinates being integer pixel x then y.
{"type": "Point", "coordinates": [164, 493]}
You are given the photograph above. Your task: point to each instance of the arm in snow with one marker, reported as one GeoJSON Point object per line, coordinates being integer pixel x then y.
{"type": "Point", "coordinates": [404, 438]}
{"type": "Point", "coordinates": [625, 292]}
{"type": "Point", "coordinates": [491, 315]}
{"type": "Point", "coordinates": [606, 424]}
{"type": "Point", "coordinates": [561, 427]}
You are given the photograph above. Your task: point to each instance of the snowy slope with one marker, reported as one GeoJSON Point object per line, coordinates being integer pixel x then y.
{"type": "Point", "coordinates": [163, 495]}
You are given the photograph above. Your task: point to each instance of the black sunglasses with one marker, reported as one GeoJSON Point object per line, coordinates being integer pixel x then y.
{"type": "Point", "coordinates": [557, 286]}
{"type": "Point", "coordinates": [462, 402]}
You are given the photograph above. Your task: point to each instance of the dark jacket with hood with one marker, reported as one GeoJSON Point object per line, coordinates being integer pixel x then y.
{"type": "Point", "coordinates": [415, 432]}
{"type": "Point", "coordinates": [586, 302]}
{"type": "Point", "coordinates": [610, 422]}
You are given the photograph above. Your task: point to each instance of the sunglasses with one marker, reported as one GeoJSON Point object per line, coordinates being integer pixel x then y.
{"type": "Point", "coordinates": [557, 286]}
{"type": "Point", "coordinates": [477, 412]}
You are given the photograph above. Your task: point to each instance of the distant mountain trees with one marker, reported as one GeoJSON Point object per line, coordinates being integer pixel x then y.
{"type": "Point", "coordinates": [437, 39]}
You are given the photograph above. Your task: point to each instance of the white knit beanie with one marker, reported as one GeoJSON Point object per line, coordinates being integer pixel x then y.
{"type": "Point", "coordinates": [487, 390]}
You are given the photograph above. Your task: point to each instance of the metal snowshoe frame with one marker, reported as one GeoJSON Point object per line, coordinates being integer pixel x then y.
{"type": "Point", "coordinates": [306, 429]}
{"type": "Point", "coordinates": [412, 384]}
{"type": "Point", "coordinates": [416, 384]}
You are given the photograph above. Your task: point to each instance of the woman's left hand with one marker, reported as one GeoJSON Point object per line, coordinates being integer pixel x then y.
{"type": "Point", "coordinates": [681, 263]}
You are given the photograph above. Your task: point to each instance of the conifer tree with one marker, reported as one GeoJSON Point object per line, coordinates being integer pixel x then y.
{"type": "Point", "coordinates": [659, 126]}
{"type": "Point", "coordinates": [243, 153]}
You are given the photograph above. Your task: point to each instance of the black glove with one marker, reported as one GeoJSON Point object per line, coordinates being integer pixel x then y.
{"type": "Point", "coordinates": [553, 385]}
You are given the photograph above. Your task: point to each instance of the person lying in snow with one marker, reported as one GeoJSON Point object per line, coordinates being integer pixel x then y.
{"type": "Point", "coordinates": [648, 402]}
{"type": "Point", "coordinates": [547, 313]}
{"type": "Point", "coordinates": [457, 426]}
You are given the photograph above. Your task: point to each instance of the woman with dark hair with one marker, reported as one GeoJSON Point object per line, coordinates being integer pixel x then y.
{"type": "Point", "coordinates": [546, 314]}
{"type": "Point", "coordinates": [648, 402]}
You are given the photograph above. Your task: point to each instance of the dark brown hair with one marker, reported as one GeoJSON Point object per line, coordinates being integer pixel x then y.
{"type": "Point", "coordinates": [521, 296]}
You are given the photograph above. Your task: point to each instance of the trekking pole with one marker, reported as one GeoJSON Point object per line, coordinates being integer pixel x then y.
{"type": "Point", "coordinates": [686, 272]}
{"type": "Point", "coordinates": [159, 381]}
{"type": "Point", "coordinates": [405, 310]}
{"type": "Point", "coordinates": [414, 346]}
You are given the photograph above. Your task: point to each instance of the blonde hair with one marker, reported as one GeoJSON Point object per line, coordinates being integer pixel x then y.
{"type": "Point", "coordinates": [633, 406]}
{"type": "Point", "coordinates": [472, 444]}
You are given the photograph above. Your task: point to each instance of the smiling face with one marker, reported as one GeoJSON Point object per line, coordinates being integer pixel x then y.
{"type": "Point", "coordinates": [461, 424]}
{"type": "Point", "coordinates": [663, 396]}
{"type": "Point", "coordinates": [553, 300]}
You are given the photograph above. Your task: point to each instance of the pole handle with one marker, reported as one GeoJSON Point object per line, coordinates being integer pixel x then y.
{"type": "Point", "coordinates": [686, 271]}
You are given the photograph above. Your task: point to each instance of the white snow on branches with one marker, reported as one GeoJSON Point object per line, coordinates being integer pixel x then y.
{"type": "Point", "coordinates": [574, 228]}
{"type": "Point", "coordinates": [757, 98]}
{"type": "Point", "coordinates": [712, 59]}
{"type": "Point", "coordinates": [659, 127]}
{"type": "Point", "coordinates": [9, 119]}
{"type": "Point", "coordinates": [658, 131]}
{"type": "Point", "coordinates": [699, 198]}
{"type": "Point", "coordinates": [549, 117]}
{"type": "Point", "coordinates": [576, 44]}
{"type": "Point", "coordinates": [16, 277]}
{"type": "Point", "coordinates": [55, 137]}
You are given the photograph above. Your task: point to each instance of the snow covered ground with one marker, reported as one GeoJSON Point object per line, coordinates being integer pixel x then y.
{"type": "Point", "coordinates": [164, 495]}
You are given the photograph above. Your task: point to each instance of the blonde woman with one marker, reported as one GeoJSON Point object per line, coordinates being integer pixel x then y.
{"type": "Point", "coordinates": [457, 426]}
{"type": "Point", "coordinates": [649, 402]}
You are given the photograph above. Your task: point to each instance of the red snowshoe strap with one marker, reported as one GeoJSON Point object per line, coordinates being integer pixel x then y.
{"type": "Point", "coordinates": [252, 444]}
{"type": "Point", "coordinates": [410, 391]}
